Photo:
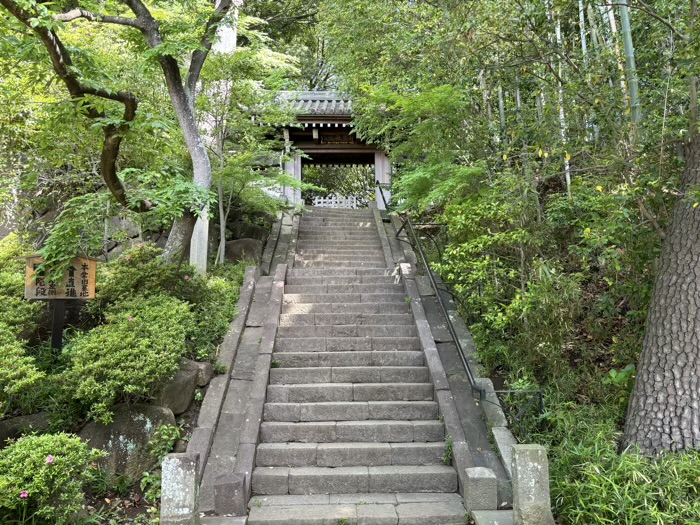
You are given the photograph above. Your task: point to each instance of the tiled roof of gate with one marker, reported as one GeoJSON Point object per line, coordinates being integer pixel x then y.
{"type": "Point", "coordinates": [318, 103]}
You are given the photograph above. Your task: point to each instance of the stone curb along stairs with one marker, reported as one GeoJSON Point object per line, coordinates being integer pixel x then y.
{"type": "Point", "coordinates": [349, 419]}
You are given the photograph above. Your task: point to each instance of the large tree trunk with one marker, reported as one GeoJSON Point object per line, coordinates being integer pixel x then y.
{"type": "Point", "coordinates": [664, 410]}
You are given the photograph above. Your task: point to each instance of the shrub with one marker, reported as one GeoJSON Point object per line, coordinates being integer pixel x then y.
{"type": "Point", "coordinates": [592, 483]}
{"type": "Point", "coordinates": [18, 373]}
{"type": "Point", "coordinates": [42, 478]}
{"type": "Point", "coordinates": [141, 270]}
{"type": "Point", "coordinates": [125, 359]}
{"type": "Point", "coordinates": [215, 310]}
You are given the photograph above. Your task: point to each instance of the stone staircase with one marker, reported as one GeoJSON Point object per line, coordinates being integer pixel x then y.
{"type": "Point", "coordinates": [351, 433]}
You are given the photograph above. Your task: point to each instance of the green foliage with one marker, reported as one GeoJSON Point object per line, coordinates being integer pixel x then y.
{"type": "Point", "coordinates": [447, 455]}
{"type": "Point", "coordinates": [138, 347]}
{"type": "Point", "coordinates": [19, 375]}
{"type": "Point", "coordinates": [42, 479]}
{"type": "Point", "coordinates": [592, 483]}
{"type": "Point", "coordinates": [141, 270]}
{"type": "Point", "coordinates": [163, 441]}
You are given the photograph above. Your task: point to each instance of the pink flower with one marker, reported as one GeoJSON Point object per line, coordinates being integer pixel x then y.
{"type": "Point", "coordinates": [24, 494]}
{"type": "Point", "coordinates": [93, 465]}
{"type": "Point", "coordinates": [187, 277]}
{"type": "Point", "coordinates": [49, 459]}
{"type": "Point", "coordinates": [131, 318]}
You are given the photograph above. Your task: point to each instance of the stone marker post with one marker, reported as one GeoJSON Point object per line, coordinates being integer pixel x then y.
{"type": "Point", "coordinates": [180, 490]}
{"type": "Point", "coordinates": [531, 501]}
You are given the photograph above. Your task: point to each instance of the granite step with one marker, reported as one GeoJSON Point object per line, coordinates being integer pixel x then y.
{"type": "Point", "coordinates": [345, 319]}
{"type": "Point", "coordinates": [358, 509]}
{"type": "Point", "coordinates": [349, 454]}
{"type": "Point", "coordinates": [351, 330]}
{"type": "Point", "coordinates": [347, 344]}
{"type": "Point", "coordinates": [334, 245]}
{"type": "Point", "coordinates": [355, 227]}
{"type": "Point", "coordinates": [338, 251]}
{"type": "Point", "coordinates": [351, 411]}
{"type": "Point", "coordinates": [349, 374]}
{"type": "Point", "coordinates": [345, 288]}
{"type": "Point", "coordinates": [349, 279]}
{"type": "Point", "coordinates": [324, 233]}
{"type": "Point", "coordinates": [370, 358]}
{"type": "Point", "coordinates": [333, 264]}
{"type": "Point", "coordinates": [333, 272]}
{"type": "Point", "coordinates": [354, 480]}
{"type": "Point", "coordinates": [345, 298]}
{"type": "Point", "coordinates": [348, 308]}
{"type": "Point", "coordinates": [493, 517]}
{"type": "Point", "coordinates": [334, 392]}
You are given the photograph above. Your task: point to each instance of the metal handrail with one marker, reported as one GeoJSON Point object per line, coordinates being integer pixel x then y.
{"type": "Point", "coordinates": [537, 397]}
{"type": "Point", "coordinates": [408, 226]}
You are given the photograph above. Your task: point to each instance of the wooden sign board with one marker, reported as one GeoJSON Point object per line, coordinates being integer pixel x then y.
{"type": "Point", "coordinates": [77, 282]}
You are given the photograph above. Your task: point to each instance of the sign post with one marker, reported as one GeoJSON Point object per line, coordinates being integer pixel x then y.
{"type": "Point", "coordinates": [77, 283]}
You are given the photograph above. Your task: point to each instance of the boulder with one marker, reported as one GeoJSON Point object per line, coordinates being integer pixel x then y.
{"type": "Point", "coordinates": [15, 427]}
{"type": "Point", "coordinates": [177, 393]}
{"type": "Point", "coordinates": [205, 370]}
{"type": "Point", "coordinates": [126, 439]}
{"type": "Point", "coordinates": [244, 250]}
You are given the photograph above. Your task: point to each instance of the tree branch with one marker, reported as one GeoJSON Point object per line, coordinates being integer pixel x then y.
{"type": "Point", "coordinates": [77, 13]}
{"type": "Point", "coordinates": [113, 134]}
{"type": "Point", "coordinates": [647, 10]}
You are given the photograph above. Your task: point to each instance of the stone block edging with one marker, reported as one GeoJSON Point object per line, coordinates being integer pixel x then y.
{"type": "Point", "coordinates": [199, 446]}
{"type": "Point", "coordinates": [271, 245]}
{"type": "Point", "coordinates": [233, 492]}
{"type": "Point", "coordinates": [462, 458]}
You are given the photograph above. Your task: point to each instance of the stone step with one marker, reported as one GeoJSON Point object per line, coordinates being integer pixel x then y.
{"type": "Point", "coordinates": [335, 392]}
{"type": "Point", "coordinates": [352, 330]}
{"type": "Point", "coordinates": [324, 255]}
{"type": "Point", "coordinates": [304, 260]}
{"type": "Point", "coordinates": [314, 289]}
{"type": "Point", "coordinates": [349, 308]}
{"type": "Point", "coordinates": [345, 298]}
{"type": "Point", "coordinates": [333, 272]}
{"type": "Point", "coordinates": [350, 374]}
{"type": "Point", "coordinates": [341, 214]}
{"type": "Point", "coordinates": [357, 226]}
{"type": "Point", "coordinates": [349, 454]}
{"type": "Point", "coordinates": [354, 480]}
{"type": "Point", "coordinates": [358, 509]}
{"type": "Point", "coordinates": [334, 245]}
{"type": "Point", "coordinates": [311, 359]}
{"type": "Point", "coordinates": [493, 517]}
{"type": "Point", "coordinates": [338, 235]}
{"type": "Point", "coordinates": [350, 279]}
{"type": "Point", "coordinates": [351, 411]}
{"type": "Point", "coordinates": [335, 223]}
{"type": "Point", "coordinates": [345, 319]}
{"type": "Point", "coordinates": [332, 264]}
{"type": "Point", "coordinates": [339, 251]}
{"type": "Point", "coordinates": [347, 344]}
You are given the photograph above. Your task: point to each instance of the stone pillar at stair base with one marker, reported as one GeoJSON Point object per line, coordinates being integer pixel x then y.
{"type": "Point", "coordinates": [481, 492]}
{"type": "Point", "coordinates": [180, 490]}
{"type": "Point", "coordinates": [531, 500]}
{"type": "Point", "coordinates": [231, 495]}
